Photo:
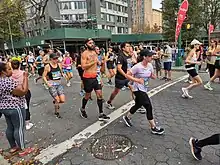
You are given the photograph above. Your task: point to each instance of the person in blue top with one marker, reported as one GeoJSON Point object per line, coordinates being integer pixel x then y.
{"type": "Point", "coordinates": [140, 75]}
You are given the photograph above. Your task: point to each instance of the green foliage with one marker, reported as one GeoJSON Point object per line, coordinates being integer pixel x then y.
{"type": "Point", "coordinates": [11, 11]}
{"type": "Point", "coordinates": [170, 10]}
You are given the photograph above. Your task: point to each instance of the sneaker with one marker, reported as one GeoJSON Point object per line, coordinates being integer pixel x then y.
{"type": "Point", "coordinates": [109, 83]}
{"type": "Point", "coordinates": [186, 93]}
{"type": "Point", "coordinates": [196, 151]}
{"type": "Point", "coordinates": [81, 93]}
{"type": "Point", "coordinates": [57, 114]}
{"type": "Point", "coordinates": [127, 121]}
{"type": "Point", "coordinates": [123, 88]}
{"type": "Point", "coordinates": [208, 87]}
{"type": "Point", "coordinates": [26, 151]}
{"type": "Point", "coordinates": [35, 81]}
{"type": "Point", "coordinates": [68, 84]}
{"type": "Point", "coordinates": [110, 106]}
{"type": "Point", "coordinates": [164, 78]}
{"type": "Point", "coordinates": [103, 117]}
{"type": "Point", "coordinates": [45, 86]}
{"type": "Point", "coordinates": [83, 113]}
{"type": "Point", "coordinates": [157, 131]}
{"type": "Point", "coordinates": [29, 126]}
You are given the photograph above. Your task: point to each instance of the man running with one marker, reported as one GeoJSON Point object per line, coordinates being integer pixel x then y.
{"type": "Point", "coordinates": [123, 64]}
{"type": "Point", "coordinates": [89, 62]}
{"type": "Point", "coordinates": [110, 64]}
{"type": "Point", "coordinates": [40, 65]}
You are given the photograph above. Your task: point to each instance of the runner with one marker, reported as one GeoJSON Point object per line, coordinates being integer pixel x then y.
{"type": "Point", "coordinates": [80, 70]}
{"type": "Point", "coordinates": [191, 61]}
{"type": "Point", "coordinates": [197, 145]}
{"type": "Point", "coordinates": [67, 68]}
{"type": "Point", "coordinates": [100, 61]}
{"type": "Point", "coordinates": [17, 75]}
{"type": "Point", "coordinates": [12, 106]}
{"type": "Point", "coordinates": [89, 61]}
{"type": "Point", "coordinates": [140, 75]}
{"type": "Point", "coordinates": [40, 65]}
{"type": "Point", "coordinates": [123, 64]}
{"type": "Point", "coordinates": [52, 77]}
{"type": "Point", "coordinates": [23, 62]}
{"type": "Point", "coordinates": [110, 64]}
{"type": "Point", "coordinates": [31, 60]}
{"type": "Point", "coordinates": [217, 69]}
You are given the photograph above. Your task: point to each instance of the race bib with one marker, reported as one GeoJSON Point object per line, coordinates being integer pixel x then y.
{"type": "Point", "coordinates": [56, 75]}
{"type": "Point", "coordinates": [24, 63]}
{"type": "Point", "coordinates": [69, 67]}
{"type": "Point", "coordinates": [146, 82]}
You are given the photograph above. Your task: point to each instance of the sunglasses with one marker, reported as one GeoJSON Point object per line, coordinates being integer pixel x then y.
{"type": "Point", "coordinates": [56, 58]}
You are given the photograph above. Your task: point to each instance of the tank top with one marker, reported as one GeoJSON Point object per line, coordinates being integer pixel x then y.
{"type": "Point", "coordinates": [30, 58]}
{"type": "Point", "coordinates": [55, 73]}
{"type": "Point", "coordinates": [192, 66]}
{"type": "Point", "coordinates": [67, 62]}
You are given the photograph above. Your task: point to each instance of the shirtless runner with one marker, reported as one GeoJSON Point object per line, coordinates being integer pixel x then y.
{"type": "Point", "coordinates": [89, 61]}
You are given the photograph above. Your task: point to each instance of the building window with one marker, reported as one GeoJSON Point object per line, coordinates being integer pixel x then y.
{"type": "Point", "coordinates": [80, 5]}
{"type": "Point", "coordinates": [65, 6]}
{"type": "Point", "coordinates": [84, 5]}
{"type": "Point", "coordinates": [103, 26]}
{"type": "Point", "coordinates": [102, 16]}
{"type": "Point", "coordinates": [110, 6]}
{"type": "Point", "coordinates": [103, 3]}
{"type": "Point", "coordinates": [112, 28]}
{"type": "Point", "coordinates": [120, 29]}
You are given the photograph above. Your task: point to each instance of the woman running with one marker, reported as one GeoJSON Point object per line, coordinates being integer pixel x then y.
{"type": "Point", "coordinates": [217, 69]}
{"type": "Point", "coordinates": [67, 68]}
{"type": "Point", "coordinates": [191, 62]}
{"type": "Point", "coordinates": [52, 77]}
{"type": "Point", "coordinates": [12, 106]}
{"type": "Point", "coordinates": [17, 75]}
{"type": "Point", "coordinates": [110, 64]}
{"type": "Point", "coordinates": [31, 61]}
{"type": "Point", "coordinates": [140, 75]}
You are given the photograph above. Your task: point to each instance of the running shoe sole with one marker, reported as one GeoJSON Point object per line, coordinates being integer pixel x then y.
{"type": "Point", "coordinates": [101, 119]}
{"type": "Point", "coordinates": [157, 133]}
{"type": "Point", "coordinates": [126, 122]}
{"type": "Point", "coordinates": [191, 147]}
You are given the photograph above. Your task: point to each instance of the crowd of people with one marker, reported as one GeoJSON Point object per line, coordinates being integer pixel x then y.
{"type": "Point", "coordinates": [131, 67]}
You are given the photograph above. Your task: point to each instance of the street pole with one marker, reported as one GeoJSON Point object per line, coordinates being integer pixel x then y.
{"type": "Point", "coordinates": [11, 38]}
{"type": "Point", "coordinates": [179, 61]}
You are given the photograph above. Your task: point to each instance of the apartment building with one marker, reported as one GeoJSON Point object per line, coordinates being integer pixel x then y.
{"type": "Point", "coordinates": [114, 15]}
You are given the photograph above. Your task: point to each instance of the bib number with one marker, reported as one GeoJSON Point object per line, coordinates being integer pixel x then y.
{"type": "Point", "coordinates": [146, 82]}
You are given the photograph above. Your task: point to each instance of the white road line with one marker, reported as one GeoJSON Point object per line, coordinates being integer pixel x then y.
{"type": "Point", "coordinates": [53, 151]}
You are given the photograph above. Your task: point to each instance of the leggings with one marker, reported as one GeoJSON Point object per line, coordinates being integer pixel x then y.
{"type": "Point", "coordinates": [142, 99]}
{"type": "Point", "coordinates": [211, 70]}
{"type": "Point", "coordinates": [15, 119]}
{"type": "Point", "coordinates": [28, 99]}
{"type": "Point", "coordinates": [212, 140]}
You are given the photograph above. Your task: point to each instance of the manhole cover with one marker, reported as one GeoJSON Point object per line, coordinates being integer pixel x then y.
{"type": "Point", "coordinates": [111, 147]}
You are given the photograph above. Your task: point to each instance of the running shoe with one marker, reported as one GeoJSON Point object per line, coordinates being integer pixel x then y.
{"type": "Point", "coordinates": [127, 121]}
{"type": "Point", "coordinates": [157, 131]}
{"type": "Point", "coordinates": [35, 81]}
{"type": "Point", "coordinates": [164, 78]}
{"type": "Point", "coordinates": [81, 93]}
{"type": "Point", "coordinates": [208, 87]}
{"type": "Point", "coordinates": [29, 126]}
{"type": "Point", "coordinates": [45, 86]}
{"type": "Point", "coordinates": [186, 93]}
{"type": "Point", "coordinates": [68, 84]}
{"type": "Point", "coordinates": [83, 113]}
{"type": "Point", "coordinates": [109, 83]}
{"type": "Point", "coordinates": [103, 117]}
{"type": "Point", "coordinates": [124, 88]}
{"type": "Point", "coordinates": [196, 151]}
{"type": "Point", "coordinates": [109, 106]}
{"type": "Point", "coordinates": [57, 114]}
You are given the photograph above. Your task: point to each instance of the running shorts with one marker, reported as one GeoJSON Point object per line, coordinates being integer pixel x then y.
{"type": "Point", "coordinates": [56, 90]}
{"type": "Point", "coordinates": [121, 83]}
{"type": "Point", "coordinates": [67, 70]}
{"type": "Point", "coordinates": [192, 72]}
{"type": "Point", "coordinates": [91, 84]}
{"type": "Point", "coordinates": [40, 71]}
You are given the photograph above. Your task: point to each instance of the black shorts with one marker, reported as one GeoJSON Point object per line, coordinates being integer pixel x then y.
{"type": "Point", "coordinates": [121, 83]}
{"type": "Point", "coordinates": [167, 66]}
{"type": "Point", "coordinates": [192, 72]}
{"type": "Point", "coordinates": [90, 84]}
{"type": "Point", "coordinates": [80, 71]}
{"type": "Point", "coordinates": [217, 64]}
{"type": "Point", "coordinates": [110, 65]}
{"type": "Point", "coordinates": [40, 71]}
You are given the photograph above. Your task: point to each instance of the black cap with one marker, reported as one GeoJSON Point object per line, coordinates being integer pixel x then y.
{"type": "Point", "coordinates": [54, 55]}
{"type": "Point", "coordinates": [146, 52]}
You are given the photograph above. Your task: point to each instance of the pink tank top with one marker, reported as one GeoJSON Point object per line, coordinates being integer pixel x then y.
{"type": "Point", "coordinates": [67, 62]}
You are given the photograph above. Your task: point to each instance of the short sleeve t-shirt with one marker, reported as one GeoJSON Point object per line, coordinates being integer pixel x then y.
{"type": "Point", "coordinates": [40, 60]}
{"type": "Point", "coordinates": [7, 99]}
{"type": "Point", "coordinates": [168, 51]}
{"type": "Point", "coordinates": [126, 63]}
{"type": "Point", "coordinates": [140, 71]}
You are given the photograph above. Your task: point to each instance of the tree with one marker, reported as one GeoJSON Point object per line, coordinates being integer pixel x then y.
{"type": "Point", "coordinates": [211, 13]}
{"type": "Point", "coordinates": [11, 13]}
{"type": "Point", "coordinates": [170, 9]}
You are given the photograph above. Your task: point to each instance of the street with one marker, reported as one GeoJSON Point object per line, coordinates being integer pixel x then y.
{"type": "Point", "coordinates": [181, 118]}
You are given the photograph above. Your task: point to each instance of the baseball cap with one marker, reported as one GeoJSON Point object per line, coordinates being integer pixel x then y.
{"type": "Point", "coordinates": [195, 42]}
{"type": "Point", "coordinates": [146, 52]}
{"type": "Point", "coordinates": [54, 55]}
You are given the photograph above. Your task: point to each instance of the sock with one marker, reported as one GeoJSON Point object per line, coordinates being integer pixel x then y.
{"type": "Point", "coordinates": [100, 105]}
{"type": "Point", "coordinates": [84, 102]}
